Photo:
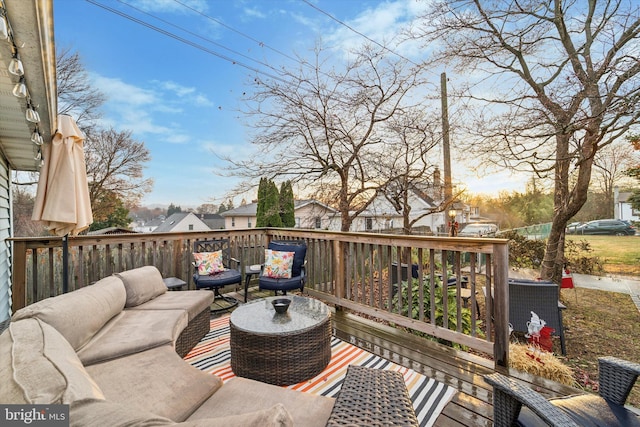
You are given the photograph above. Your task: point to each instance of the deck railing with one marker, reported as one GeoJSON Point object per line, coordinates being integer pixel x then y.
{"type": "Point", "coordinates": [371, 274]}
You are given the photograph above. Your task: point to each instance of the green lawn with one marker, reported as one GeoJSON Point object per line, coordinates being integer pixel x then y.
{"type": "Point", "coordinates": [620, 254]}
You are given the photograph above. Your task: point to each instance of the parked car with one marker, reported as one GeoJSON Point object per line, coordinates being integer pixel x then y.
{"type": "Point", "coordinates": [478, 230]}
{"type": "Point", "coordinates": [571, 228]}
{"type": "Point", "coordinates": [606, 226]}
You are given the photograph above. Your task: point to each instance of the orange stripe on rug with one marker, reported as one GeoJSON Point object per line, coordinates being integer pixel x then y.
{"type": "Point", "coordinates": [212, 355]}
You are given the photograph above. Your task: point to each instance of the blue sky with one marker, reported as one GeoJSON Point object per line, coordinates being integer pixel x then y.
{"type": "Point", "coordinates": [181, 101]}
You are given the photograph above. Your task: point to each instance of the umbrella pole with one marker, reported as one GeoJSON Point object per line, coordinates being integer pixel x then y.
{"type": "Point", "coordinates": [65, 263]}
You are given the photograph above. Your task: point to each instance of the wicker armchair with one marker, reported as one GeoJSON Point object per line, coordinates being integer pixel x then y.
{"type": "Point", "coordinates": [516, 404]}
{"type": "Point", "coordinates": [541, 297]}
{"type": "Point", "coordinates": [298, 271]}
{"type": "Point", "coordinates": [230, 275]}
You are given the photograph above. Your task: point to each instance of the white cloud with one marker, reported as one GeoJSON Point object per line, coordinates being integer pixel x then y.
{"type": "Point", "coordinates": [142, 110]}
{"type": "Point", "coordinates": [120, 92]}
{"type": "Point", "coordinates": [254, 13]}
{"type": "Point", "coordinates": [186, 93]}
{"type": "Point", "coordinates": [170, 5]}
{"type": "Point", "coordinates": [381, 24]}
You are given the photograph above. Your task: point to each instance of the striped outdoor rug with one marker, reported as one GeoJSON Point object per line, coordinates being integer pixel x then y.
{"type": "Point", "coordinates": [429, 396]}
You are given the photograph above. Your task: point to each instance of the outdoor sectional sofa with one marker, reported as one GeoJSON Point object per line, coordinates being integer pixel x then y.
{"type": "Point", "coordinates": [113, 352]}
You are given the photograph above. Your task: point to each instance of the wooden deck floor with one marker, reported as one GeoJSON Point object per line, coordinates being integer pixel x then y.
{"type": "Point", "coordinates": [472, 405]}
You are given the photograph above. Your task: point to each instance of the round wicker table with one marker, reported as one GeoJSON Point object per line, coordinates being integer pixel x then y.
{"type": "Point", "coordinates": [280, 349]}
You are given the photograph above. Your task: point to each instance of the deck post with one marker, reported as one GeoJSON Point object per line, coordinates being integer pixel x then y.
{"type": "Point", "coordinates": [501, 305]}
{"type": "Point", "coordinates": [338, 269]}
{"type": "Point", "coordinates": [19, 276]}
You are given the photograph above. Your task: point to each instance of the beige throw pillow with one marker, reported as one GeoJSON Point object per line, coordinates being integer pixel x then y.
{"type": "Point", "coordinates": [38, 366]}
{"type": "Point", "coordinates": [142, 284]}
{"type": "Point", "coordinates": [78, 315]}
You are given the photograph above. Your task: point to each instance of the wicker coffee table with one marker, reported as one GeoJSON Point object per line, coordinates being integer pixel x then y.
{"type": "Point", "coordinates": [281, 349]}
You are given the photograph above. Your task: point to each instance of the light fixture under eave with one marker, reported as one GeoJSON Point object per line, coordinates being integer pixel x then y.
{"type": "Point", "coordinates": [36, 138]}
{"type": "Point", "coordinates": [15, 66]}
{"type": "Point", "coordinates": [20, 89]}
{"type": "Point", "coordinates": [32, 115]}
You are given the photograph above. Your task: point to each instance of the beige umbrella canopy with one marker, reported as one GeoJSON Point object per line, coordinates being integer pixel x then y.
{"type": "Point", "coordinates": [62, 200]}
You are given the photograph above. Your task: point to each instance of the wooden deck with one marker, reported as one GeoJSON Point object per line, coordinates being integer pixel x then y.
{"type": "Point", "coordinates": [472, 405]}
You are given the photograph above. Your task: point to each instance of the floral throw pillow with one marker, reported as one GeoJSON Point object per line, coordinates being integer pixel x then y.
{"type": "Point", "coordinates": [278, 264]}
{"type": "Point", "coordinates": [208, 262]}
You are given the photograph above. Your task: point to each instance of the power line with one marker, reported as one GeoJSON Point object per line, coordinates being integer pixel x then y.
{"type": "Point", "coordinates": [196, 35]}
{"type": "Point", "coordinates": [185, 41]}
{"type": "Point", "coordinates": [230, 28]}
{"type": "Point", "coordinates": [357, 32]}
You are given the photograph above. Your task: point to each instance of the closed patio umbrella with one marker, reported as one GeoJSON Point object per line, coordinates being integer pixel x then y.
{"type": "Point", "coordinates": [62, 199]}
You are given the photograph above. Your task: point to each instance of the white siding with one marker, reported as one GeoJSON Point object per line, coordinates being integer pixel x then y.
{"type": "Point", "coordinates": [5, 246]}
{"type": "Point", "coordinates": [190, 223]}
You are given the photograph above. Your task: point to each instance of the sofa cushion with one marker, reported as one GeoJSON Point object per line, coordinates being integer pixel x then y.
{"type": "Point", "coordinates": [142, 284]}
{"type": "Point", "coordinates": [133, 331]}
{"type": "Point", "coordinates": [38, 366]}
{"type": "Point", "coordinates": [156, 381]}
{"type": "Point", "coordinates": [102, 412]}
{"type": "Point", "coordinates": [78, 315]}
{"type": "Point", "coordinates": [192, 301]}
{"type": "Point", "coordinates": [306, 409]}
{"type": "Point", "coordinates": [275, 416]}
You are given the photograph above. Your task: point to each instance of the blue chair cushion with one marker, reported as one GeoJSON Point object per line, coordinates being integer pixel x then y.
{"type": "Point", "coordinates": [272, 284]}
{"type": "Point", "coordinates": [224, 278]}
{"type": "Point", "coordinates": [300, 252]}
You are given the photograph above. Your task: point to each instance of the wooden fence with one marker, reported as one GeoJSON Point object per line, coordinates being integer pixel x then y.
{"type": "Point", "coordinates": [426, 284]}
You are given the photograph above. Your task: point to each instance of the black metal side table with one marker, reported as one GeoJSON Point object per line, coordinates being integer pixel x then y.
{"type": "Point", "coordinates": [174, 283]}
{"type": "Point", "coordinates": [249, 272]}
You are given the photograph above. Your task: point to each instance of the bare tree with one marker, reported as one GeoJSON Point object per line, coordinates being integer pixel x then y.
{"type": "Point", "coordinates": [115, 166]}
{"type": "Point", "coordinates": [76, 96]}
{"type": "Point", "coordinates": [324, 127]}
{"type": "Point", "coordinates": [23, 202]}
{"type": "Point", "coordinates": [561, 78]}
{"type": "Point", "coordinates": [610, 164]}
{"type": "Point", "coordinates": [407, 164]}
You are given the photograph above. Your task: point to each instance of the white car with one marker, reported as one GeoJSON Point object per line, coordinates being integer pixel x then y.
{"type": "Point", "coordinates": [478, 230]}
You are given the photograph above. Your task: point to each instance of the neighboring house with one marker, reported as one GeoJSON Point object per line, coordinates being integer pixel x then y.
{"type": "Point", "coordinates": [149, 226]}
{"type": "Point", "coordinates": [182, 221]}
{"type": "Point", "coordinates": [309, 214]}
{"type": "Point", "coordinates": [623, 209]}
{"type": "Point", "coordinates": [31, 23]}
{"type": "Point", "coordinates": [381, 215]}
{"type": "Point", "coordinates": [213, 221]}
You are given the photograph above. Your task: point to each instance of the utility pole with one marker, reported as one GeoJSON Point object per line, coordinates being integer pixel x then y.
{"type": "Point", "coordinates": [448, 191]}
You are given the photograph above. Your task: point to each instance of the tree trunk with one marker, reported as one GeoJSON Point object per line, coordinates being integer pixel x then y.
{"type": "Point", "coordinates": [566, 202]}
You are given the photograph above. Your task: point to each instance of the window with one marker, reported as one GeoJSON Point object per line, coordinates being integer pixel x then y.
{"type": "Point", "coordinates": [249, 222]}
{"type": "Point", "coordinates": [368, 223]}
{"type": "Point", "coordinates": [318, 222]}
{"type": "Point", "coordinates": [233, 221]}
{"type": "Point", "coordinates": [297, 222]}
{"type": "Point", "coordinates": [190, 227]}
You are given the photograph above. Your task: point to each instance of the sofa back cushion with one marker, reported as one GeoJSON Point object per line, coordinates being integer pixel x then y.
{"type": "Point", "coordinates": [38, 366]}
{"type": "Point", "coordinates": [78, 315]}
{"type": "Point", "coordinates": [142, 284]}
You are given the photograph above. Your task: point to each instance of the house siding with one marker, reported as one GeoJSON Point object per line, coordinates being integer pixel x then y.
{"type": "Point", "coordinates": [306, 216]}
{"type": "Point", "coordinates": [5, 247]}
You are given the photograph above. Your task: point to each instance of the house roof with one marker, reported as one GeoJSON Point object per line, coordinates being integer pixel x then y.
{"type": "Point", "coordinates": [173, 220]}
{"type": "Point", "coordinates": [213, 221]}
{"type": "Point", "coordinates": [31, 23]}
{"type": "Point", "coordinates": [111, 230]}
{"type": "Point", "coordinates": [251, 209]}
{"type": "Point", "coordinates": [623, 196]}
